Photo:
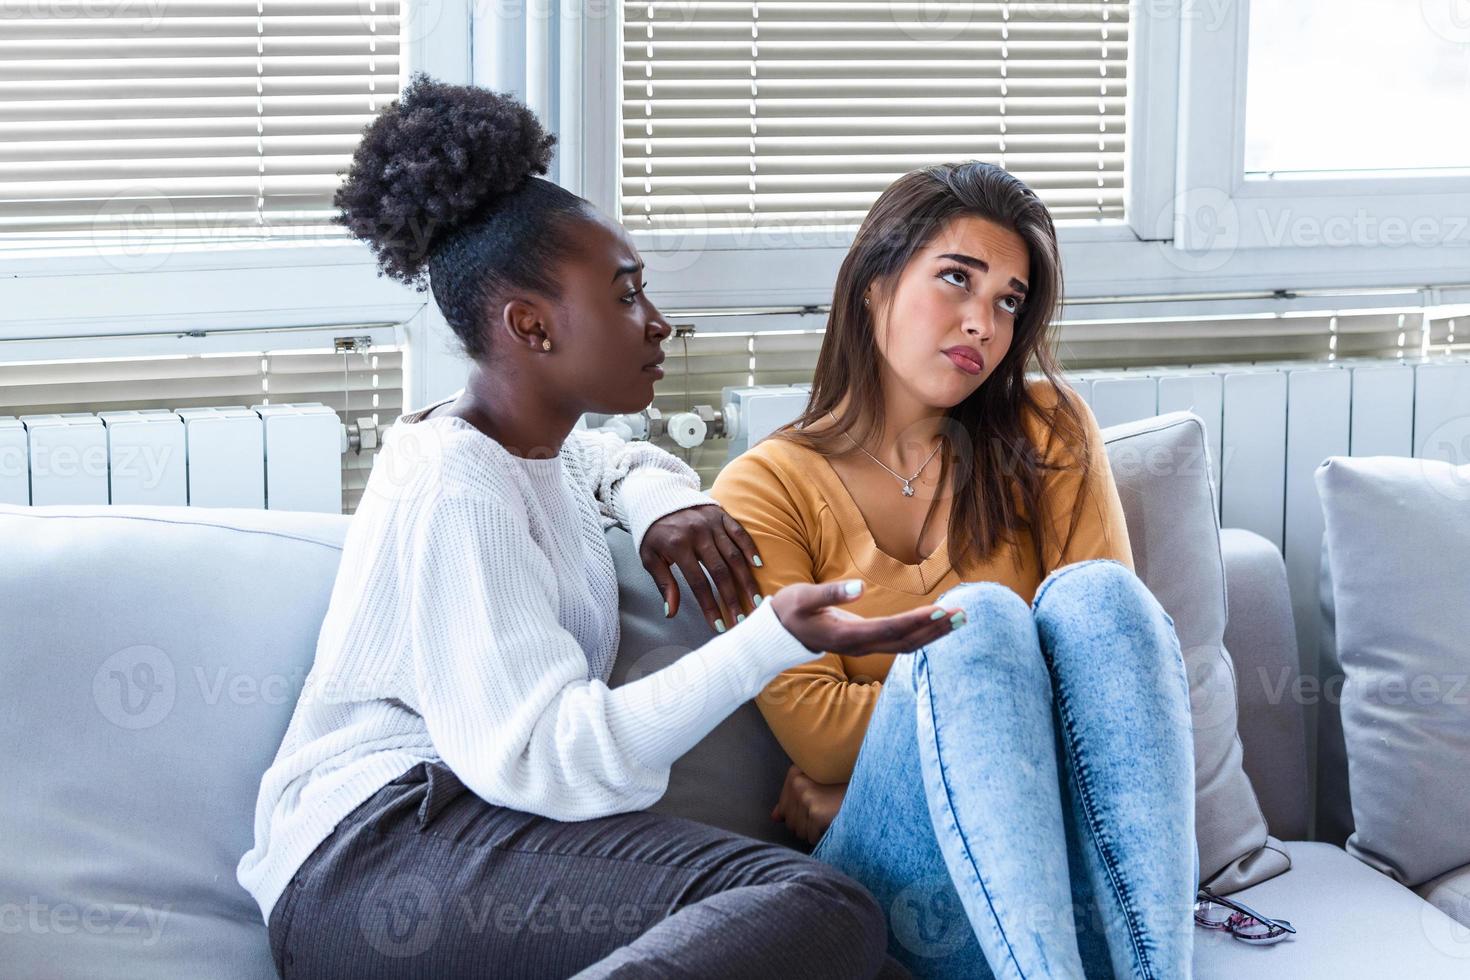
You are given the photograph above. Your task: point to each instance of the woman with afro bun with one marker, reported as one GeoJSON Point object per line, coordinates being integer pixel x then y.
{"type": "Point", "coordinates": [459, 793]}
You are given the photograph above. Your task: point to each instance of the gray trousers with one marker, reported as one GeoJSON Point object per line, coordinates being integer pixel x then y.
{"type": "Point", "coordinates": [427, 880]}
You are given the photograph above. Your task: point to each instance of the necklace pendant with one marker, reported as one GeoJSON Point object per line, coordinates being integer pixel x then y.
{"type": "Point", "coordinates": [908, 491]}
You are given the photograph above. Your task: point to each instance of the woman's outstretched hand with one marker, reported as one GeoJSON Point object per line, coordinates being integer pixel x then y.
{"type": "Point", "coordinates": [810, 613]}
{"type": "Point", "coordinates": [696, 540]}
{"type": "Point", "coordinates": [806, 806]}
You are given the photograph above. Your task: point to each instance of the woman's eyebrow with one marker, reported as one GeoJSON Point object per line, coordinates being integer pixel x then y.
{"type": "Point", "coordinates": [983, 266]}
{"type": "Point", "coordinates": [627, 270]}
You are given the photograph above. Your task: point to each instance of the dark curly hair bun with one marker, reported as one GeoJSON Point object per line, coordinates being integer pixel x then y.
{"type": "Point", "coordinates": [438, 158]}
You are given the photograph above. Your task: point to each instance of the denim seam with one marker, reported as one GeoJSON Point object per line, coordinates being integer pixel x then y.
{"type": "Point", "coordinates": [1099, 840]}
{"type": "Point", "coordinates": [969, 852]}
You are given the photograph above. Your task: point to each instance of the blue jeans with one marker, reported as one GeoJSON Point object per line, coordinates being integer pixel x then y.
{"type": "Point", "coordinates": [1023, 801]}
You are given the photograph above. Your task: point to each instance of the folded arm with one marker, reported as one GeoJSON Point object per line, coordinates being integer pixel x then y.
{"type": "Point", "coordinates": [816, 712]}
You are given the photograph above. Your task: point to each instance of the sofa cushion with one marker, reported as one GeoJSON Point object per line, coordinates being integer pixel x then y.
{"type": "Point", "coordinates": [1351, 921]}
{"type": "Point", "coordinates": [732, 778]}
{"type": "Point", "coordinates": [1398, 542]}
{"type": "Point", "coordinates": [1161, 469]}
{"type": "Point", "coordinates": [151, 659]}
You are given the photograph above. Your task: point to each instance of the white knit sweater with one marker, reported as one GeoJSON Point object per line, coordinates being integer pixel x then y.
{"type": "Point", "coordinates": [474, 619]}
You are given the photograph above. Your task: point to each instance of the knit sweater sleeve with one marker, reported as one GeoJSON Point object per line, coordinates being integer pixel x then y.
{"type": "Point", "coordinates": [635, 483]}
{"type": "Point", "coordinates": [504, 689]}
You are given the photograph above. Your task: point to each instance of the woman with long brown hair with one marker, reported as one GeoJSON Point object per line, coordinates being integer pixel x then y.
{"type": "Point", "coordinates": [1033, 769]}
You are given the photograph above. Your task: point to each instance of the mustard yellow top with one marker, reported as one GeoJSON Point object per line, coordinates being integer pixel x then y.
{"type": "Point", "coordinates": [808, 529]}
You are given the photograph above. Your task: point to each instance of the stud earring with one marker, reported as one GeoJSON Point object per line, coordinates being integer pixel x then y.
{"type": "Point", "coordinates": [546, 343]}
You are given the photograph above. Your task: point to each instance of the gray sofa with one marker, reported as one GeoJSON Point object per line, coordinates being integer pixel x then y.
{"type": "Point", "coordinates": [151, 658]}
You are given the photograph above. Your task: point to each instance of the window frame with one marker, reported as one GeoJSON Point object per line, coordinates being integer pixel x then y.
{"type": "Point", "coordinates": [1176, 53]}
{"type": "Point", "coordinates": [97, 292]}
{"type": "Point", "coordinates": [1290, 213]}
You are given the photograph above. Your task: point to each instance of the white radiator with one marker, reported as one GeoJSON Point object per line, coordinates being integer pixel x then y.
{"type": "Point", "coordinates": [281, 457]}
{"type": "Point", "coordinates": [1268, 427]}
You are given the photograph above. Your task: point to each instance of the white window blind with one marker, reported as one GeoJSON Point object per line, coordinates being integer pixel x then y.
{"type": "Point", "coordinates": [774, 113]}
{"type": "Point", "coordinates": [355, 385]}
{"type": "Point", "coordinates": [190, 119]}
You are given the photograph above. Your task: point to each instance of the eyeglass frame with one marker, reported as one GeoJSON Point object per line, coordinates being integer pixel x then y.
{"type": "Point", "coordinates": [1276, 929]}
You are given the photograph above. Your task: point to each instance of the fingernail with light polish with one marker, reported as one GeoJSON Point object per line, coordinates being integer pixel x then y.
{"type": "Point", "coordinates": [666, 610]}
{"type": "Point", "coordinates": [757, 562]}
{"type": "Point", "coordinates": [719, 626]}
{"type": "Point", "coordinates": [957, 620]}
{"type": "Point", "coordinates": [740, 617]}
{"type": "Point", "coordinates": [938, 614]}
{"type": "Point", "coordinates": [756, 599]}
{"type": "Point", "coordinates": [853, 587]}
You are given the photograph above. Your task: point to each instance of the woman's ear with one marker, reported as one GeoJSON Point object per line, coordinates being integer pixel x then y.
{"type": "Point", "coordinates": [527, 324]}
{"type": "Point", "coordinates": [876, 294]}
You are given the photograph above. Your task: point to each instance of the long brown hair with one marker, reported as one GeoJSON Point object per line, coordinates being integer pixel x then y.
{"type": "Point", "coordinates": [985, 433]}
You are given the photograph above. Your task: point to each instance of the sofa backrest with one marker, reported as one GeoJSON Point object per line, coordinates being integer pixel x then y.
{"type": "Point", "coordinates": [151, 658]}
{"type": "Point", "coordinates": [1261, 638]}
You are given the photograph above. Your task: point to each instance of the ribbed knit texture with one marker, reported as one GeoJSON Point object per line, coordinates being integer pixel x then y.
{"type": "Point", "coordinates": [474, 619]}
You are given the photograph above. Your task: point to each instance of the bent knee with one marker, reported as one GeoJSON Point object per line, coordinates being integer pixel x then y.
{"type": "Point", "coordinates": [1100, 581]}
{"type": "Point", "coordinates": [830, 888]}
{"type": "Point", "coordinates": [1098, 592]}
{"type": "Point", "coordinates": [998, 631]}
{"type": "Point", "coordinates": [986, 601]}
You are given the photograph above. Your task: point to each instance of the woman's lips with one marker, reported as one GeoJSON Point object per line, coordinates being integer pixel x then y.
{"type": "Point", "coordinates": [965, 359]}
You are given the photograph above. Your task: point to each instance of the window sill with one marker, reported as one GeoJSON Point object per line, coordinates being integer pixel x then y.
{"type": "Point", "coordinates": [92, 260]}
